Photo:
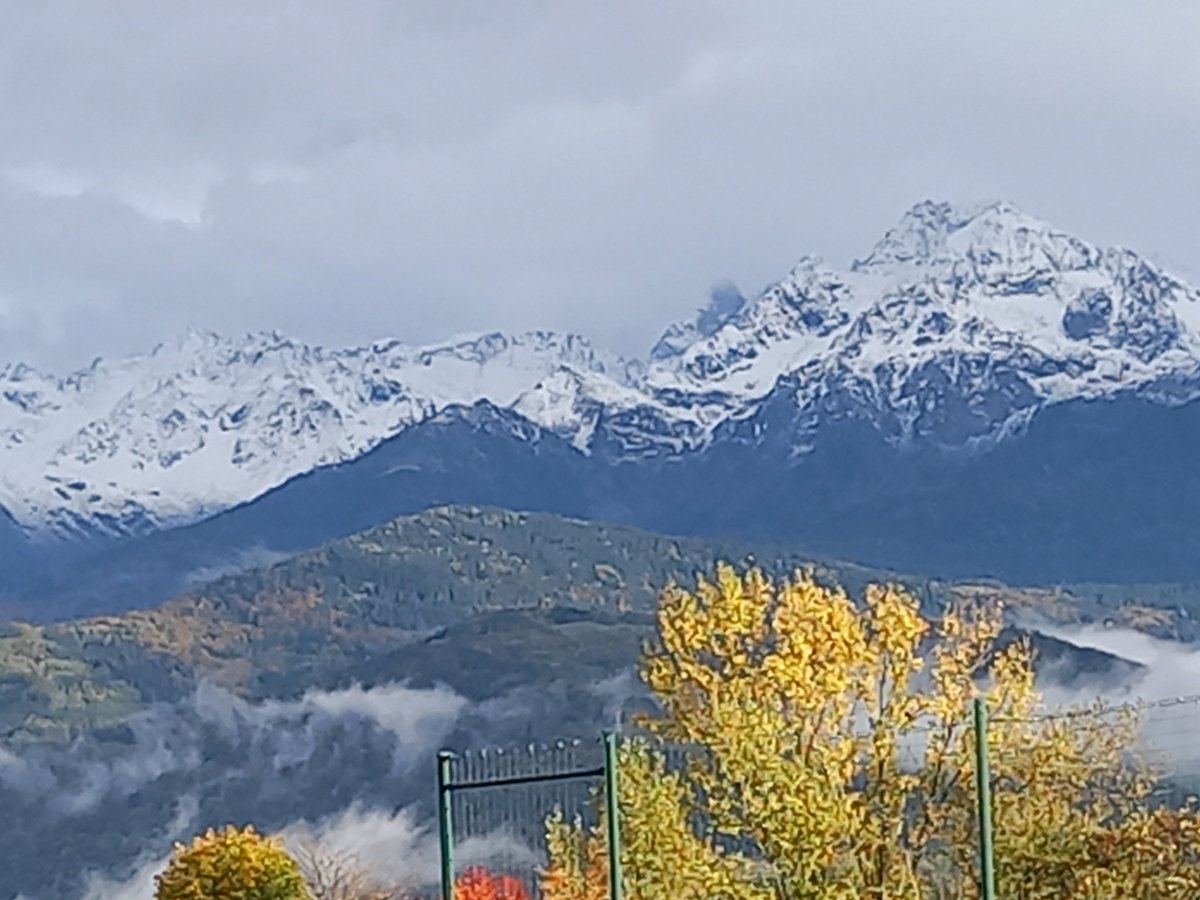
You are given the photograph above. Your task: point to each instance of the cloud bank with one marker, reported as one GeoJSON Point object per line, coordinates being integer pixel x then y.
{"type": "Point", "coordinates": [122, 796]}
{"type": "Point", "coordinates": [351, 171]}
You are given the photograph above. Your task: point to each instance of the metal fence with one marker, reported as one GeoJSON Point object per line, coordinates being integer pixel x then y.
{"type": "Point", "coordinates": [1121, 765]}
{"type": "Point", "coordinates": [493, 806]}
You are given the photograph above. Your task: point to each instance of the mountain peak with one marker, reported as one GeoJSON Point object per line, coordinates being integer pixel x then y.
{"type": "Point", "coordinates": [999, 308]}
{"type": "Point", "coordinates": [938, 233]}
{"type": "Point", "coordinates": [202, 422]}
{"type": "Point", "coordinates": [962, 320]}
{"type": "Point", "coordinates": [191, 339]}
{"type": "Point", "coordinates": [725, 301]}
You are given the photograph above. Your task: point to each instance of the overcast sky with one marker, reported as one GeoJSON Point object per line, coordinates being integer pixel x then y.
{"type": "Point", "coordinates": [349, 170]}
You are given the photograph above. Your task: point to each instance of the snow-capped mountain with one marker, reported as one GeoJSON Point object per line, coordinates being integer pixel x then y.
{"type": "Point", "coordinates": [958, 325]}
{"type": "Point", "coordinates": [205, 422]}
{"type": "Point", "coordinates": [955, 330]}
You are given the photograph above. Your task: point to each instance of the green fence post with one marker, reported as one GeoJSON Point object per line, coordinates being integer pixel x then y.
{"type": "Point", "coordinates": [983, 790]}
{"type": "Point", "coordinates": [613, 815]}
{"type": "Point", "coordinates": [446, 823]}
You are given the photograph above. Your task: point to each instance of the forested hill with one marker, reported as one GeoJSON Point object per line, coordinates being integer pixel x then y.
{"type": "Point", "coordinates": [283, 627]}
{"type": "Point", "coordinates": [312, 618]}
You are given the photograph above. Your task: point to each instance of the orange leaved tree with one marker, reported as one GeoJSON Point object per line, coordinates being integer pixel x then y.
{"type": "Point", "coordinates": [477, 883]}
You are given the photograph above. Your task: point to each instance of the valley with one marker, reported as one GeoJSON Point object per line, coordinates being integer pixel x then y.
{"type": "Point", "coordinates": [517, 627]}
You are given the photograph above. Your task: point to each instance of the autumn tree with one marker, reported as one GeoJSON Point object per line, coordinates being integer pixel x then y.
{"type": "Point", "coordinates": [231, 863]}
{"type": "Point", "coordinates": [478, 883]}
{"type": "Point", "coordinates": [338, 875]}
{"type": "Point", "coordinates": [661, 853]}
{"type": "Point", "coordinates": [829, 742]}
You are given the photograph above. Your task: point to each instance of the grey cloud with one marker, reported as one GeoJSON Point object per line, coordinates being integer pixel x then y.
{"type": "Point", "coordinates": [1170, 669]}
{"type": "Point", "coordinates": [173, 770]}
{"type": "Point", "coordinates": [139, 884]}
{"type": "Point", "coordinates": [1166, 684]}
{"type": "Point", "coordinates": [250, 558]}
{"type": "Point", "coordinates": [401, 848]}
{"type": "Point", "coordinates": [273, 736]}
{"type": "Point", "coordinates": [394, 848]}
{"type": "Point", "coordinates": [345, 172]}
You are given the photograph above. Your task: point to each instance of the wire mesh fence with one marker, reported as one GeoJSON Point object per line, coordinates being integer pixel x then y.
{"type": "Point", "coordinates": [1170, 735]}
{"type": "Point", "coordinates": [1098, 802]}
{"type": "Point", "coordinates": [496, 805]}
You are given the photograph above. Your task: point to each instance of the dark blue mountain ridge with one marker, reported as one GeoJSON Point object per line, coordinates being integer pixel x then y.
{"type": "Point", "coordinates": [481, 454]}
{"type": "Point", "coordinates": [1090, 490]}
{"type": "Point", "coordinates": [980, 395]}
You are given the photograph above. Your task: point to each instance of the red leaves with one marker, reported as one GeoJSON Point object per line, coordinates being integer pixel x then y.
{"type": "Point", "coordinates": [477, 883]}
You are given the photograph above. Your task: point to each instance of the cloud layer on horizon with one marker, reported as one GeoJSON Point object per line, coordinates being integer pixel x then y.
{"type": "Point", "coordinates": [349, 172]}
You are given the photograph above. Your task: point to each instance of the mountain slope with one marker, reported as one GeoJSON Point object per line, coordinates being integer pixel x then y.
{"type": "Point", "coordinates": [309, 618]}
{"type": "Point", "coordinates": [958, 326]}
{"type": "Point", "coordinates": [282, 626]}
{"type": "Point", "coordinates": [204, 423]}
{"type": "Point", "coordinates": [1099, 489]}
{"type": "Point", "coordinates": [981, 394]}
{"type": "Point", "coordinates": [478, 454]}
{"type": "Point", "coordinates": [1084, 495]}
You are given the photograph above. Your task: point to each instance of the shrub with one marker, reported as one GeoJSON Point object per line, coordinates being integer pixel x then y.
{"type": "Point", "coordinates": [477, 883]}
{"type": "Point", "coordinates": [233, 864]}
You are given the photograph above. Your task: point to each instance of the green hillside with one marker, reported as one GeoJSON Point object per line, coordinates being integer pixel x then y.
{"type": "Point", "coordinates": [321, 614]}
{"type": "Point", "coordinates": [280, 629]}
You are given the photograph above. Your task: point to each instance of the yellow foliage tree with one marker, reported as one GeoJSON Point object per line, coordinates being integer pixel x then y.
{"type": "Point", "coordinates": [831, 742]}
{"type": "Point", "coordinates": [661, 854]}
{"type": "Point", "coordinates": [231, 864]}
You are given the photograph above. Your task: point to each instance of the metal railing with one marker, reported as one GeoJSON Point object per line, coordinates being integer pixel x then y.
{"type": "Point", "coordinates": [498, 772]}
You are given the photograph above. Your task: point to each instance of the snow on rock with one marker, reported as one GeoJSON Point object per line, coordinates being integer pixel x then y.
{"type": "Point", "coordinates": [984, 307]}
{"type": "Point", "coordinates": [591, 410]}
{"type": "Point", "coordinates": [957, 327]}
{"type": "Point", "coordinates": [203, 423]}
